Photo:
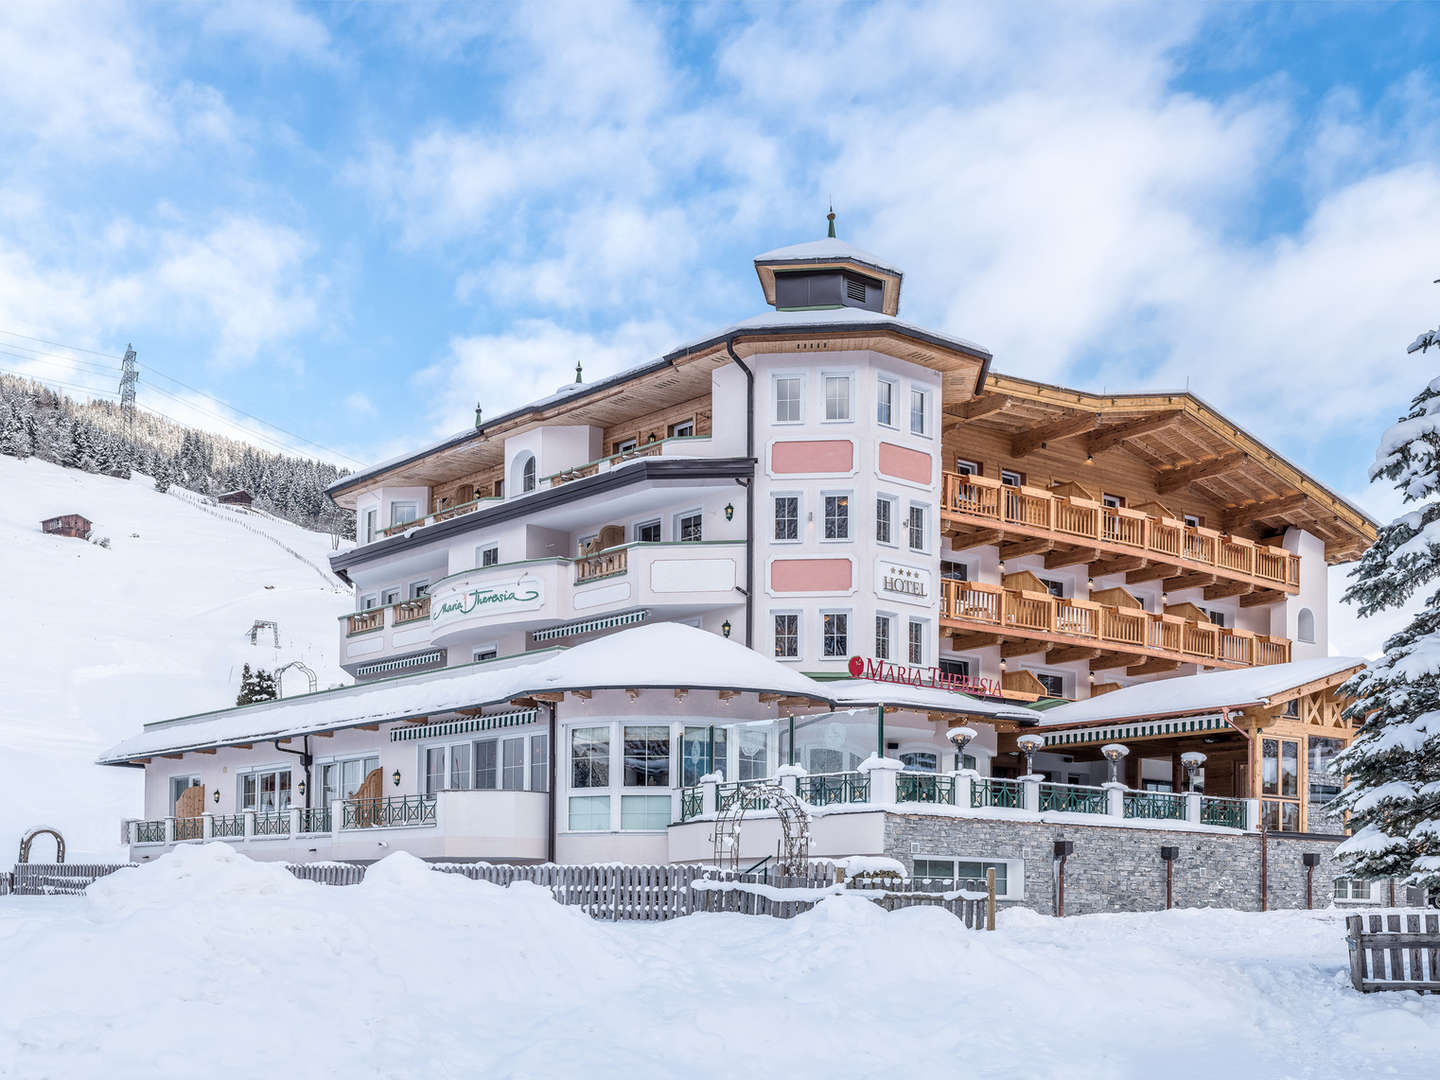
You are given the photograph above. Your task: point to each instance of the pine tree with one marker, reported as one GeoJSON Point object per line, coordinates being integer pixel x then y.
{"type": "Point", "coordinates": [1393, 792]}
{"type": "Point", "coordinates": [256, 685]}
{"type": "Point", "coordinates": [161, 471]}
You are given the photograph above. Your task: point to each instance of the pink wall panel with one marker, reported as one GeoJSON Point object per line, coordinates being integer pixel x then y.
{"type": "Point", "coordinates": [907, 464]}
{"type": "Point", "coordinates": [813, 456]}
{"type": "Point", "coordinates": [810, 575]}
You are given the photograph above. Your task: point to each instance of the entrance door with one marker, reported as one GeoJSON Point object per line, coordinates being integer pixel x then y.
{"type": "Point", "coordinates": [1280, 784]}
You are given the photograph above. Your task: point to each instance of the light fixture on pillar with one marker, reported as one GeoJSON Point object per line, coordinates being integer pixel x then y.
{"type": "Point", "coordinates": [725, 628]}
{"type": "Point", "coordinates": [1113, 753]}
{"type": "Point", "coordinates": [961, 737]}
{"type": "Point", "coordinates": [1029, 743]}
{"type": "Point", "coordinates": [729, 511]}
{"type": "Point", "coordinates": [395, 777]}
{"type": "Point", "coordinates": [1192, 760]}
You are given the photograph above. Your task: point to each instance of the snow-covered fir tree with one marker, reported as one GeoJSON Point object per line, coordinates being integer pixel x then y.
{"type": "Point", "coordinates": [255, 685]}
{"type": "Point", "coordinates": [1393, 792]}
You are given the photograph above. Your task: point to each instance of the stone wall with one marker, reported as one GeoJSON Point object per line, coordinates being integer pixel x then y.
{"type": "Point", "coordinates": [1120, 869]}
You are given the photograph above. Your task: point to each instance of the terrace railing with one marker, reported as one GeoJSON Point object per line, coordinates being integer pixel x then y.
{"type": "Point", "coordinates": [829, 789]}
{"type": "Point", "coordinates": [1155, 805]}
{"type": "Point", "coordinates": [992, 502]}
{"type": "Point", "coordinates": [189, 828]}
{"type": "Point", "coordinates": [925, 788]}
{"type": "Point", "coordinates": [1074, 799]}
{"type": "Point", "coordinates": [150, 832]}
{"type": "Point", "coordinates": [1227, 813]}
{"type": "Point", "coordinates": [272, 823]}
{"type": "Point", "coordinates": [408, 611]}
{"type": "Point", "coordinates": [692, 803]}
{"type": "Point", "coordinates": [993, 791]}
{"type": "Point", "coordinates": [364, 621]}
{"type": "Point", "coordinates": [602, 565]}
{"type": "Point", "coordinates": [748, 791]}
{"type": "Point", "coordinates": [314, 819]}
{"type": "Point", "coordinates": [392, 812]}
{"type": "Point", "coordinates": [227, 826]}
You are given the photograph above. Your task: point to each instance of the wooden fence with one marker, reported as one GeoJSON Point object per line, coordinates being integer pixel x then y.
{"type": "Point", "coordinates": [614, 893]}
{"type": "Point", "coordinates": [1396, 951]}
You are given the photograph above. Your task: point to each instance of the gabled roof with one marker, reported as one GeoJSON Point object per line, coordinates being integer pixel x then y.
{"type": "Point", "coordinates": [1189, 695]}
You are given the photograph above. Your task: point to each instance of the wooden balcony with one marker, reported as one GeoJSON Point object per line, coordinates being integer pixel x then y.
{"type": "Point", "coordinates": [1026, 621]}
{"type": "Point", "coordinates": [1144, 542]}
{"type": "Point", "coordinates": [602, 565]}
{"type": "Point", "coordinates": [363, 621]}
{"type": "Point", "coordinates": [408, 611]}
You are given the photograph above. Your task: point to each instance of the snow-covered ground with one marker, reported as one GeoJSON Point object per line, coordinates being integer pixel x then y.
{"type": "Point", "coordinates": [204, 963]}
{"type": "Point", "coordinates": [95, 642]}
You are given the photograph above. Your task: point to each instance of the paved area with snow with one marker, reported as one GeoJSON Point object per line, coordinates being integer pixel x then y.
{"type": "Point", "coordinates": [207, 964]}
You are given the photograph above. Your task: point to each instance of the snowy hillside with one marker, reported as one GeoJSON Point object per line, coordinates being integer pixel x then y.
{"type": "Point", "coordinates": [95, 642]}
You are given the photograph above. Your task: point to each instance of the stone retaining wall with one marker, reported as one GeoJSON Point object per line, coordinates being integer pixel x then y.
{"type": "Point", "coordinates": [1120, 869]}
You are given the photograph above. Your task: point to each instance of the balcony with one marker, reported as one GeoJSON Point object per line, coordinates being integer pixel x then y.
{"type": "Point", "coordinates": [1147, 545]}
{"type": "Point", "coordinates": [1024, 621]}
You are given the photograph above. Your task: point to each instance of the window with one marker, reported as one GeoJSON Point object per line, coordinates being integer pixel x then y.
{"type": "Point", "coordinates": [527, 474]}
{"type": "Point", "coordinates": [837, 517]}
{"type": "Point", "coordinates": [487, 765]}
{"type": "Point", "coordinates": [787, 636]}
{"type": "Point", "coordinates": [512, 764]}
{"type": "Point", "coordinates": [1305, 626]}
{"type": "Point", "coordinates": [487, 652]}
{"type": "Point", "coordinates": [1280, 783]}
{"type": "Point", "coordinates": [590, 757]}
{"type": "Point", "coordinates": [920, 761]}
{"type": "Point", "coordinates": [787, 517]}
{"type": "Point", "coordinates": [970, 874]}
{"type": "Point", "coordinates": [954, 571]}
{"type": "Point", "coordinates": [369, 602]}
{"type": "Point", "coordinates": [460, 767]}
{"type": "Point", "coordinates": [589, 813]}
{"type": "Point", "coordinates": [753, 757]}
{"type": "Point", "coordinates": [390, 596]}
{"type": "Point", "coordinates": [837, 397]}
{"type": "Point", "coordinates": [1114, 502]}
{"type": "Point", "coordinates": [648, 532]}
{"type": "Point", "coordinates": [1352, 889]}
{"type": "Point", "coordinates": [837, 633]}
{"type": "Point", "coordinates": [540, 762]}
{"type": "Point", "coordinates": [919, 411]}
{"type": "Point", "coordinates": [1011, 478]}
{"type": "Point", "coordinates": [1054, 588]}
{"type": "Point", "coordinates": [916, 526]}
{"type": "Point", "coordinates": [959, 668]}
{"type": "Point", "coordinates": [647, 755]}
{"type": "Point", "coordinates": [883, 630]}
{"type": "Point", "coordinates": [915, 641]}
{"type": "Point", "coordinates": [1054, 684]}
{"type": "Point", "coordinates": [1324, 783]}
{"type": "Point", "coordinates": [367, 533]}
{"type": "Point", "coordinates": [682, 429]}
{"type": "Point", "coordinates": [885, 402]}
{"type": "Point", "coordinates": [885, 519]}
{"type": "Point", "coordinates": [435, 769]}
{"type": "Point", "coordinates": [789, 393]}
{"type": "Point", "coordinates": [401, 513]}
{"type": "Point", "coordinates": [625, 446]}
{"type": "Point", "coordinates": [644, 812]}
{"type": "Point", "coordinates": [966, 467]}
{"type": "Point", "coordinates": [687, 527]}
{"type": "Point", "coordinates": [178, 786]}
{"type": "Point", "coordinates": [487, 556]}
{"type": "Point", "coordinates": [1217, 617]}
{"type": "Point", "coordinates": [418, 589]}
{"type": "Point", "coordinates": [697, 759]}
{"type": "Point", "coordinates": [1194, 521]}
{"type": "Point", "coordinates": [266, 790]}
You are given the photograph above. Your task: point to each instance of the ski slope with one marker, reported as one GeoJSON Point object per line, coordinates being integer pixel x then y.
{"type": "Point", "coordinates": [96, 642]}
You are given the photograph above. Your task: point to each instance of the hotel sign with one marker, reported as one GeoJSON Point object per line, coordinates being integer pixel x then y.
{"type": "Point", "coordinates": [869, 667]}
{"type": "Point", "coordinates": [899, 581]}
{"type": "Point", "coordinates": [523, 594]}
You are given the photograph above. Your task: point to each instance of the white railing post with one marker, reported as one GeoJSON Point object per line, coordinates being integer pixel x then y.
{"type": "Point", "coordinates": [249, 824]}
{"type": "Point", "coordinates": [132, 830]}
{"type": "Point", "coordinates": [964, 779]}
{"type": "Point", "coordinates": [789, 777]}
{"type": "Point", "coordinates": [337, 816]}
{"type": "Point", "coordinates": [710, 792]}
{"type": "Point", "coordinates": [207, 826]}
{"type": "Point", "coordinates": [1252, 815]}
{"type": "Point", "coordinates": [1114, 798]}
{"type": "Point", "coordinates": [1192, 807]}
{"type": "Point", "coordinates": [1030, 792]}
{"type": "Point", "coordinates": [294, 821]}
{"type": "Point", "coordinates": [169, 830]}
{"type": "Point", "coordinates": [882, 773]}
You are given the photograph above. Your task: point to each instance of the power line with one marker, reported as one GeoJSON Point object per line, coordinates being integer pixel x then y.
{"type": "Point", "coordinates": [35, 355]}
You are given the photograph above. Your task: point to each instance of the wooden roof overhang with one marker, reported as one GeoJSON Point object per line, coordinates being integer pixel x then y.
{"type": "Point", "coordinates": [675, 378]}
{"type": "Point", "coordinates": [1184, 440]}
{"type": "Point", "coordinates": [889, 279]}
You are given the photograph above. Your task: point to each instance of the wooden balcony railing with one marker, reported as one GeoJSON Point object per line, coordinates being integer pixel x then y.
{"type": "Point", "coordinates": [601, 565]}
{"type": "Point", "coordinates": [1126, 628]}
{"type": "Point", "coordinates": [1080, 519]}
{"type": "Point", "coordinates": [412, 610]}
{"type": "Point", "coordinates": [362, 621]}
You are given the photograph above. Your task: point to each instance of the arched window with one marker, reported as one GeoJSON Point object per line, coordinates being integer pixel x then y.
{"type": "Point", "coordinates": [522, 473]}
{"type": "Point", "coordinates": [1305, 626]}
{"type": "Point", "coordinates": [527, 478]}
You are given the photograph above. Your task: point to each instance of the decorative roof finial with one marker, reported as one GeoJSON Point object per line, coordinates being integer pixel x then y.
{"type": "Point", "coordinates": [577, 371]}
{"type": "Point", "coordinates": [477, 414]}
{"type": "Point", "coordinates": [831, 218]}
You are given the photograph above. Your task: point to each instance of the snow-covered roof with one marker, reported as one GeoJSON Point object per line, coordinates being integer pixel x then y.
{"type": "Point", "coordinates": [647, 657]}
{"type": "Point", "coordinates": [1190, 694]}
{"type": "Point", "coordinates": [851, 692]}
{"type": "Point", "coordinates": [829, 319]}
{"type": "Point", "coordinates": [825, 251]}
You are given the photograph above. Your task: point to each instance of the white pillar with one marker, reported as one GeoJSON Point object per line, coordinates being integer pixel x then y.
{"type": "Point", "coordinates": [963, 781]}
{"type": "Point", "coordinates": [709, 792]}
{"type": "Point", "coordinates": [294, 821]}
{"type": "Point", "coordinates": [207, 826]}
{"type": "Point", "coordinates": [249, 824]}
{"type": "Point", "coordinates": [1030, 792]}
{"type": "Point", "coordinates": [882, 773]}
{"type": "Point", "coordinates": [132, 831]}
{"type": "Point", "coordinates": [1252, 815]}
{"type": "Point", "coordinates": [169, 830]}
{"type": "Point", "coordinates": [337, 816]}
{"type": "Point", "coordinates": [1192, 807]}
{"type": "Point", "coordinates": [789, 777]}
{"type": "Point", "coordinates": [1115, 798]}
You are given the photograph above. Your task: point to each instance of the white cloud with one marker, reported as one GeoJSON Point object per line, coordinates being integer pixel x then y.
{"type": "Point", "coordinates": [360, 404]}
{"type": "Point", "coordinates": [272, 28]}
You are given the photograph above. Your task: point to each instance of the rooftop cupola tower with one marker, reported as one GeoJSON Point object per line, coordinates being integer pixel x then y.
{"type": "Point", "coordinates": [828, 273]}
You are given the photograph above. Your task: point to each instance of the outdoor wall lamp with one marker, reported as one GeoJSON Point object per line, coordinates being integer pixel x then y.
{"type": "Point", "coordinates": [725, 628]}
{"type": "Point", "coordinates": [729, 511]}
{"type": "Point", "coordinates": [395, 777]}
{"type": "Point", "coordinates": [300, 789]}
{"type": "Point", "coordinates": [217, 796]}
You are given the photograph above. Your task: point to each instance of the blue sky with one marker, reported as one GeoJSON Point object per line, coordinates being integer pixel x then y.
{"type": "Point", "coordinates": [357, 220]}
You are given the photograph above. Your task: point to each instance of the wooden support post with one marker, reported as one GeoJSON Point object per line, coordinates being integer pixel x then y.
{"type": "Point", "coordinates": [990, 899]}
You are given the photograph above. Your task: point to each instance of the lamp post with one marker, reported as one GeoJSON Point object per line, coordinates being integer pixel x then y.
{"type": "Point", "coordinates": [1029, 744]}
{"type": "Point", "coordinates": [1192, 761]}
{"type": "Point", "coordinates": [961, 737]}
{"type": "Point", "coordinates": [1113, 753]}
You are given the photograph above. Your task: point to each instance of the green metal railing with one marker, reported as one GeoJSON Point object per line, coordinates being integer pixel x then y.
{"type": "Point", "coordinates": [393, 812]}
{"type": "Point", "coordinates": [227, 825]}
{"type": "Point", "coordinates": [189, 828]}
{"type": "Point", "coordinates": [924, 788]}
{"type": "Point", "coordinates": [314, 819]}
{"type": "Point", "coordinates": [692, 801]}
{"type": "Point", "coordinates": [273, 823]}
{"type": "Point", "coordinates": [1074, 799]}
{"type": "Point", "coordinates": [1228, 813]}
{"type": "Point", "coordinates": [746, 790]}
{"type": "Point", "coordinates": [989, 791]}
{"type": "Point", "coordinates": [830, 789]}
{"type": "Point", "coordinates": [150, 832]}
{"type": "Point", "coordinates": [1161, 805]}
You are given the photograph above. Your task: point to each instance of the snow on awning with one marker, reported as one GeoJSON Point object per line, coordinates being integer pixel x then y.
{"type": "Point", "coordinates": [588, 626]}
{"type": "Point", "coordinates": [1194, 694]}
{"type": "Point", "coordinates": [1143, 729]}
{"type": "Point", "coordinates": [853, 692]}
{"type": "Point", "coordinates": [464, 727]}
